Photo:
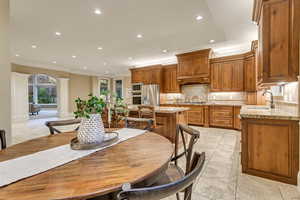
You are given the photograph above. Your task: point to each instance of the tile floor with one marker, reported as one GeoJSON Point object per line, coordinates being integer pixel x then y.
{"type": "Point", "coordinates": [221, 178]}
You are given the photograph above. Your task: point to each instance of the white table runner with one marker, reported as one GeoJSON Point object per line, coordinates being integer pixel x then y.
{"type": "Point", "coordinates": [36, 163]}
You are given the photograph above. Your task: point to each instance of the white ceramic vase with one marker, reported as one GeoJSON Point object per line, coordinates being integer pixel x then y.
{"type": "Point", "coordinates": [91, 130]}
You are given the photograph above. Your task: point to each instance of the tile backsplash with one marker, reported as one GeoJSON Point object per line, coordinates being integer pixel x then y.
{"type": "Point", "coordinates": [200, 92]}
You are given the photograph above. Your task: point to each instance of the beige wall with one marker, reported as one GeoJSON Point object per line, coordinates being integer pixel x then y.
{"type": "Point", "coordinates": [5, 93]}
{"type": "Point", "coordinates": [79, 85]}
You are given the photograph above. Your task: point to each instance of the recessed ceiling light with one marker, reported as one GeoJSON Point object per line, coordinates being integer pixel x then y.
{"type": "Point", "coordinates": [199, 17]}
{"type": "Point", "coordinates": [54, 62]}
{"type": "Point", "coordinates": [139, 36]}
{"type": "Point", "coordinates": [85, 67]}
{"type": "Point", "coordinates": [17, 55]}
{"type": "Point", "coordinates": [211, 41]}
{"type": "Point", "coordinates": [104, 63]}
{"type": "Point", "coordinates": [99, 48]}
{"type": "Point", "coordinates": [34, 46]}
{"type": "Point", "coordinates": [73, 56]}
{"type": "Point", "coordinates": [58, 33]}
{"type": "Point", "coordinates": [97, 12]}
{"type": "Point", "coordinates": [130, 58]}
{"type": "Point", "coordinates": [165, 51]}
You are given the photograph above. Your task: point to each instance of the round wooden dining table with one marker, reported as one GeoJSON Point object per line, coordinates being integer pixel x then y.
{"type": "Point", "coordinates": [100, 173]}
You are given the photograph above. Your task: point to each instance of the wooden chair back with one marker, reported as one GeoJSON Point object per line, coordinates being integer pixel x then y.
{"type": "Point", "coordinates": [188, 137]}
{"type": "Point", "coordinates": [148, 112]}
{"type": "Point", "coordinates": [164, 191]}
{"type": "Point", "coordinates": [52, 124]}
{"type": "Point", "coordinates": [139, 123]}
{"type": "Point", "coordinates": [2, 139]}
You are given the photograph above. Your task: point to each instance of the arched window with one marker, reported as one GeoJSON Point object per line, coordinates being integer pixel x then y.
{"type": "Point", "coordinates": [42, 89]}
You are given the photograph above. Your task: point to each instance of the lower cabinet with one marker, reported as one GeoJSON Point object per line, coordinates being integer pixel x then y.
{"type": "Point", "coordinates": [270, 149]}
{"type": "Point", "coordinates": [221, 116]}
{"type": "Point", "coordinates": [212, 115]}
{"type": "Point", "coordinates": [196, 115]}
{"type": "Point", "coordinates": [236, 117]}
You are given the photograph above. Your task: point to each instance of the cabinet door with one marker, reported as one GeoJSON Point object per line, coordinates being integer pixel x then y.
{"type": "Point", "coordinates": [155, 76]}
{"type": "Point", "coordinates": [200, 66]}
{"type": "Point", "coordinates": [237, 120]}
{"type": "Point", "coordinates": [270, 149]}
{"type": "Point", "coordinates": [185, 65]}
{"type": "Point", "coordinates": [216, 77]}
{"type": "Point", "coordinates": [237, 76]}
{"type": "Point", "coordinates": [196, 115]}
{"type": "Point", "coordinates": [278, 26]}
{"type": "Point", "coordinates": [259, 53]}
{"type": "Point", "coordinates": [136, 76]}
{"type": "Point", "coordinates": [226, 77]}
{"type": "Point", "coordinates": [170, 84]}
{"type": "Point", "coordinates": [250, 74]}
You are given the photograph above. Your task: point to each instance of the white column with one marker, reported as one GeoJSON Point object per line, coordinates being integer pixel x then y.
{"type": "Point", "coordinates": [19, 97]}
{"type": "Point", "coordinates": [63, 97]}
{"type": "Point", "coordinates": [35, 90]}
{"type": "Point", "coordinates": [96, 86]}
{"type": "Point", "coordinates": [5, 69]}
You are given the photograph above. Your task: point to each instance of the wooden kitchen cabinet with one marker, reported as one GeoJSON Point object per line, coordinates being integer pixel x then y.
{"type": "Point", "coordinates": [147, 75]}
{"type": "Point", "coordinates": [227, 74]}
{"type": "Point", "coordinates": [278, 45]}
{"type": "Point", "coordinates": [250, 71]}
{"type": "Point", "coordinates": [170, 84]}
{"type": "Point", "coordinates": [137, 76]}
{"type": "Point", "coordinates": [194, 67]}
{"type": "Point", "coordinates": [236, 117]}
{"type": "Point", "coordinates": [221, 116]}
{"type": "Point", "coordinates": [270, 149]}
{"type": "Point", "coordinates": [196, 115]}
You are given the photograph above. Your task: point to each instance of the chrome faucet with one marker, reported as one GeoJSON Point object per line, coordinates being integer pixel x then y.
{"type": "Point", "coordinates": [272, 99]}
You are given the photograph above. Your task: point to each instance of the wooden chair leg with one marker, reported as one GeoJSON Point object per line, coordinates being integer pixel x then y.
{"type": "Point", "coordinates": [177, 196]}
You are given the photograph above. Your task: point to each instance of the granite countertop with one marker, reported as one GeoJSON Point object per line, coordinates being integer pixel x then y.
{"type": "Point", "coordinates": [221, 103]}
{"type": "Point", "coordinates": [159, 109]}
{"type": "Point", "coordinates": [264, 112]}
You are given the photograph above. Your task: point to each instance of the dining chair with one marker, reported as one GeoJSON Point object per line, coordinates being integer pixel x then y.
{"type": "Point", "coordinates": [147, 112]}
{"type": "Point", "coordinates": [2, 139]}
{"type": "Point", "coordinates": [186, 138]}
{"type": "Point", "coordinates": [52, 124]}
{"type": "Point", "coordinates": [163, 191]}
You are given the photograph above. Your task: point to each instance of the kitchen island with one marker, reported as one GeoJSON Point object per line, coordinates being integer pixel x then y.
{"type": "Point", "coordinates": [166, 119]}
{"type": "Point", "coordinates": [270, 143]}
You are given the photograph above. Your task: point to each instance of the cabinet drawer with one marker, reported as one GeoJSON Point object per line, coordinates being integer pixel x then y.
{"type": "Point", "coordinates": [221, 114]}
{"type": "Point", "coordinates": [228, 123]}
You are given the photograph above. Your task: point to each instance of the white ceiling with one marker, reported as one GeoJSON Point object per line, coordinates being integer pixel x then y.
{"type": "Point", "coordinates": [164, 24]}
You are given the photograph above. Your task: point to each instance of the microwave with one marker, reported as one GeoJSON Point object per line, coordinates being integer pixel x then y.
{"type": "Point", "coordinates": [137, 87]}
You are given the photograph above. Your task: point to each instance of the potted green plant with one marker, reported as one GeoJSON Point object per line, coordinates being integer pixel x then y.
{"type": "Point", "coordinates": [119, 110]}
{"type": "Point", "coordinates": [91, 129]}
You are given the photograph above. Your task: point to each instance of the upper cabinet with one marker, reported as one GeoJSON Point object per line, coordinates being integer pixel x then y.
{"type": "Point", "coordinates": [251, 69]}
{"type": "Point", "coordinates": [194, 67]}
{"type": "Point", "coordinates": [227, 74]}
{"type": "Point", "coordinates": [278, 46]}
{"type": "Point", "coordinates": [147, 75]}
{"type": "Point", "coordinates": [170, 84]}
